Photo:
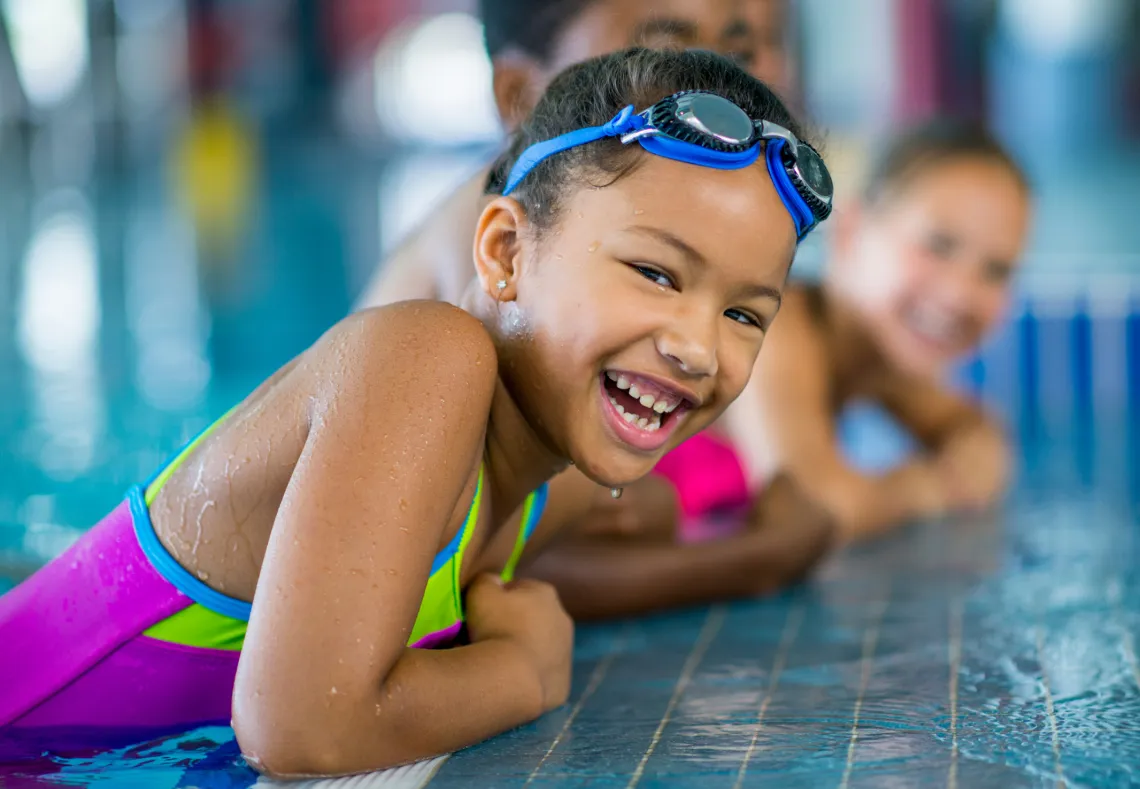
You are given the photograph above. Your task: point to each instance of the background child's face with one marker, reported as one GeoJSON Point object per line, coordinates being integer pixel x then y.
{"type": "Point", "coordinates": [750, 30]}
{"type": "Point", "coordinates": [666, 279]}
{"type": "Point", "coordinates": [931, 267]}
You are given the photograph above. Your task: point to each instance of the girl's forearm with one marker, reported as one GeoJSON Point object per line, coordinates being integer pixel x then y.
{"type": "Point", "coordinates": [432, 702]}
{"type": "Point", "coordinates": [610, 578]}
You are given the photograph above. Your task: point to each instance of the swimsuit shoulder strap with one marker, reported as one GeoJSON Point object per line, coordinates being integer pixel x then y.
{"type": "Point", "coordinates": [532, 513]}
{"type": "Point", "coordinates": [441, 610]}
{"type": "Point", "coordinates": [159, 478]}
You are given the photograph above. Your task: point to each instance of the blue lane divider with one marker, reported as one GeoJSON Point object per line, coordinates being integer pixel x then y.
{"type": "Point", "coordinates": [1132, 354]}
{"type": "Point", "coordinates": [1029, 368]}
{"type": "Point", "coordinates": [1081, 358]}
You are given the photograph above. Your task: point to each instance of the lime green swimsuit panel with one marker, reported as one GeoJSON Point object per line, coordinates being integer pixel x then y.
{"type": "Point", "coordinates": [441, 612]}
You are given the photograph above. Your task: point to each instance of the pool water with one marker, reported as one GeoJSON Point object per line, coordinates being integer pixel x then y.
{"type": "Point", "coordinates": [994, 652]}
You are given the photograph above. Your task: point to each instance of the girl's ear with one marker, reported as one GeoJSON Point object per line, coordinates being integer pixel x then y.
{"type": "Point", "coordinates": [498, 248]}
{"type": "Point", "coordinates": [517, 84]}
{"type": "Point", "coordinates": [847, 219]}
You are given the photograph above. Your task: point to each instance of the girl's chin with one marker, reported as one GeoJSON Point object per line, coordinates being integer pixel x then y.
{"type": "Point", "coordinates": [610, 473]}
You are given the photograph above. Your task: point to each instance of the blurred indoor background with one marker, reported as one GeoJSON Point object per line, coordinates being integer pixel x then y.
{"type": "Point", "coordinates": [193, 190]}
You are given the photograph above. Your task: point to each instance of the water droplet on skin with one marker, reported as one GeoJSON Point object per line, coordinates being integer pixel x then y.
{"type": "Point", "coordinates": [593, 247]}
{"type": "Point", "coordinates": [403, 505]}
{"type": "Point", "coordinates": [405, 529]}
{"type": "Point", "coordinates": [638, 211]}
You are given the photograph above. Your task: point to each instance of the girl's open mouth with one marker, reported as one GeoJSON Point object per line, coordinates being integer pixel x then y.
{"type": "Point", "coordinates": [643, 412]}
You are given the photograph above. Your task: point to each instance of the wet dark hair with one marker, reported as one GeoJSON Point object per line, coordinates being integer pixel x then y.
{"type": "Point", "coordinates": [928, 145]}
{"type": "Point", "coordinates": [532, 26]}
{"type": "Point", "coordinates": [593, 92]}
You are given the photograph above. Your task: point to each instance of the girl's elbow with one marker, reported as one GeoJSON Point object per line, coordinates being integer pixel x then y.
{"type": "Point", "coordinates": [284, 757]}
{"type": "Point", "coordinates": [287, 744]}
{"type": "Point", "coordinates": [278, 745]}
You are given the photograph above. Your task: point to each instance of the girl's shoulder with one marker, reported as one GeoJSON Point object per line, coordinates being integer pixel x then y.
{"type": "Point", "coordinates": [435, 327]}
{"type": "Point", "coordinates": [425, 341]}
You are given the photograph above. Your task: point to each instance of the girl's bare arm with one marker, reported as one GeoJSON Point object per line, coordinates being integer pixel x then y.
{"type": "Point", "coordinates": [785, 421]}
{"type": "Point", "coordinates": [434, 262]}
{"type": "Point", "coordinates": [398, 408]}
{"type": "Point", "coordinates": [636, 572]}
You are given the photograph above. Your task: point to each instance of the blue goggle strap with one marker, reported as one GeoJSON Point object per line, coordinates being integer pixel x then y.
{"type": "Point", "coordinates": [626, 122]}
{"type": "Point", "coordinates": [622, 123]}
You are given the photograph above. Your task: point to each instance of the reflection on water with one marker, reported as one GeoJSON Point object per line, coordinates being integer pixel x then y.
{"type": "Point", "coordinates": [58, 320]}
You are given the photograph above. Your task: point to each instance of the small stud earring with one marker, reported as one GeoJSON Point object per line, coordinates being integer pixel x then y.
{"type": "Point", "coordinates": [616, 492]}
{"type": "Point", "coordinates": [501, 284]}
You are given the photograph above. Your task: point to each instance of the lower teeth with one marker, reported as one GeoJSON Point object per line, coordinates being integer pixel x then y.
{"type": "Point", "coordinates": [644, 423]}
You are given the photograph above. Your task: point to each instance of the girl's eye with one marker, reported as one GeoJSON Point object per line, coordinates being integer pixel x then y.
{"type": "Point", "coordinates": [941, 245]}
{"type": "Point", "coordinates": [655, 276]}
{"type": "Point", "coordinates": [742, 58]}
{"type": "Point", "coordinates": [998, 272]}
{"type": "Point", "coordinates": [744, 317]}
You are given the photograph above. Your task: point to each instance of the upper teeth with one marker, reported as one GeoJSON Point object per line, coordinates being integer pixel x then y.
{"type": "Point", "coordinates": [661, 406]}
{"type": "Point", "coordinates": [937, 325]}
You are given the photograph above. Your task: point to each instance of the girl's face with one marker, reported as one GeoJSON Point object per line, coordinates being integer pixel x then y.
{"type": "Point", "coordinates": [633, 322]}
{"type": "Point", "coordinates": [931, 267]}
{"type": "Point", "coordinates": [751, 31]}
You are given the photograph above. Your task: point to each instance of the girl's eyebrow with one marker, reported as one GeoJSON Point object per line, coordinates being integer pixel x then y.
{"type": "Point", "coordinates": [737, 28]}
{"type": "Point", "coordinates": [665, 237]}
{"type": "Point", "coordinates": [765, 292]}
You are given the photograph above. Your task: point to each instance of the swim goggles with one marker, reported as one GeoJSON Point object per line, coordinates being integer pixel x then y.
{"type": "Point", "coordinates": [702, 128]}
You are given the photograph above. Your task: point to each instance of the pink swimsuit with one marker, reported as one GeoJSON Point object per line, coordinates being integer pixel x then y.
{"type": "Point", "coordinates": [709, 479]}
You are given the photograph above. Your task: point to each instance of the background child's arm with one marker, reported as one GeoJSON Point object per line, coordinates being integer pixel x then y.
{"type": "Point", "coordinates": [434, 262]}
{"type": "Point", "coordinates": [967, 445]}
{"type": "Point", "coordinates": [638, 571]}
{"type": "Point", "coordinates": [785, 421]}
{"type": "Point", "coordinates": [398, 401]}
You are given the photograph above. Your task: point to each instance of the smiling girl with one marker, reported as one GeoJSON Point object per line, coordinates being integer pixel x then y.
{"type": "Point", "coordinates": [292, 567]}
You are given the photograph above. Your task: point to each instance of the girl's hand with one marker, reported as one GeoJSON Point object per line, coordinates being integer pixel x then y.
{"type": "Point", "coordinates": [528, 614]}
{"type": "Point", "coordinates": [975, 465]}
{"type": "Point", "coordinates": [647, 509]}
{"type": "Point", "coordinates": [784, 504]}
{"type": "Point", "coordinates": [926, 488]}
